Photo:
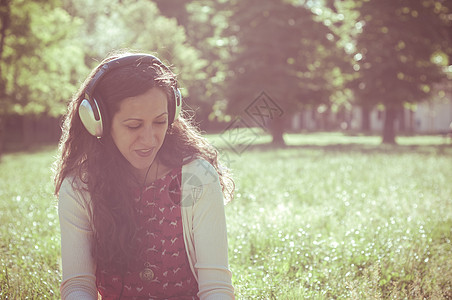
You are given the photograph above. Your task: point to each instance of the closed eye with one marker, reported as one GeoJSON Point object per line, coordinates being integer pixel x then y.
{"type": "Point", "coordinates": [132, 127]}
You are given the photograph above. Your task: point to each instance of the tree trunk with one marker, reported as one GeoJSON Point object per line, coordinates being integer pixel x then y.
{"type": "Point", "coordinates": [277, 131]}
{"type": "Point", "coordinates": [28, 131]}
{"type": "Point", "coordinates": [411, 122]}
{"type": "Point", "coordinates": [389, 128]}
{"type": "Point", "coordinates": [365, 121]}
{"type": "Point", "coordinates": [2, 133]}
{"type": "Point", "coordinates": [401, 116]}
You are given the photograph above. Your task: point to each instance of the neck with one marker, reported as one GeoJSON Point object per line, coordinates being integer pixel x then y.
{"type": "Point", "coordinates": [149, 174]}
{"type": "Point", "coordinates": [156, 170]}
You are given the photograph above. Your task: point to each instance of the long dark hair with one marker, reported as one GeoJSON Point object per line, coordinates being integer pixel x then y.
{"type": "Point", "coordinates": [106, 174]}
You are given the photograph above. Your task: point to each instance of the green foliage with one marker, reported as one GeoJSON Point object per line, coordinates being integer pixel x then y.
{"type": "Point", "coordinates": [284, 50]}
{"type": "Point", "coordinates": [280, 48]}
{"type": "Point", "coordinates": [332, 217]}
{"type": "Point", "coordinates": [40, 62]}
{"type": "Point", "coordinates": [395, 50]}
{"type": "Point", "coordinates": [137, 25]}
{"type": "Point", "coordinates": [327, 53]}
{"type": "Point", "coordinates": [204, 22]}
{"type": "Point", "coordinates": [48, 48]}
{"type": "Point", "coordinates": [400, 52]}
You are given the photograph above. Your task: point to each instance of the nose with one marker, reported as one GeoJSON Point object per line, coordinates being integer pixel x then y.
{"type": "Point", "coordinates": [147, 136]}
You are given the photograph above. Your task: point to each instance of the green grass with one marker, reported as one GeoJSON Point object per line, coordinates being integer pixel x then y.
{"type": "Point", "coordinates": [328, 217]}
{"type": "Point", "coordinates": [29, 232]}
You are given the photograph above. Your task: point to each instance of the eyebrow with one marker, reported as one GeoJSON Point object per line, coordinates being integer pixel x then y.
{"type": "Point", "coordinates": [137, 119]}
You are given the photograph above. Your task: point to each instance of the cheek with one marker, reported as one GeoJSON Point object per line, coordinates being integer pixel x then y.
{"type": "Point", "coordinates": [122, 139]}
{"type": "Point", "coordinates": [162, 134]}
{"type": "Point", "coordinates": [115, 132]}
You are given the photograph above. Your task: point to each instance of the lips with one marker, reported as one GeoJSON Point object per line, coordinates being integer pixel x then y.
{"type": "Point", "coordinates": [144, 152]}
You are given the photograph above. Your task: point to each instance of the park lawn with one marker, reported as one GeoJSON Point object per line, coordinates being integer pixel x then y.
{"type": "Point", "coordinates": [329, 216]}
{"type": "Point", "coordinates": [29, 232]}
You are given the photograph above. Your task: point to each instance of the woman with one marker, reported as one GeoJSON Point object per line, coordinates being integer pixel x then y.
{"type": "Point", "coordinates": [141, 193]}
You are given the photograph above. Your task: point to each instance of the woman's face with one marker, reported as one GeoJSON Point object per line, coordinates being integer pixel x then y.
{"type": "Point", "coordinates": [139, 127]}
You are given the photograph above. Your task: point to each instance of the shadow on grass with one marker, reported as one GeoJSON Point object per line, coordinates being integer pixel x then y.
{"type": "Point", "coordinates": [18, 149]}
{"type": "Point", "coordinates": [423, 149]}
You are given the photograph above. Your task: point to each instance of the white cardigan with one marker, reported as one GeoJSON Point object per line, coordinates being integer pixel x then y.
{"type": "Point", "coordinates": [204, 229]}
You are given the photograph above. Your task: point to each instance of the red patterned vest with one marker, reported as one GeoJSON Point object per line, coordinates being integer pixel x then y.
{"type": "Point", "coordinates": [162, 271]}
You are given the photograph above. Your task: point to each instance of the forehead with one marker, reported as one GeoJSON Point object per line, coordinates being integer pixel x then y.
{"type": "Point", "coordinates": [152, 102]}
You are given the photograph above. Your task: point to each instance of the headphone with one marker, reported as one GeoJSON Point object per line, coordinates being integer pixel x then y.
{"type": "Point", "coordinates": [90, 109]}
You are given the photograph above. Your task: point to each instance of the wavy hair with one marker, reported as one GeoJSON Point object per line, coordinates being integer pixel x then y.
{"type": "Point", "coordinates": [106, 174]}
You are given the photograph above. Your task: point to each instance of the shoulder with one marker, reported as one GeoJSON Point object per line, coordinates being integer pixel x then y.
{"type": "Point", "coordinates": [200, 184]}
{"type": "Point", "coordinates": [74, 211]}
{"type": "Point", "coordinates": [200, 170]}
{"type": "Point", "coordinates": [73, 189]}
{"type": "Point", "coordinates": [74, 184]}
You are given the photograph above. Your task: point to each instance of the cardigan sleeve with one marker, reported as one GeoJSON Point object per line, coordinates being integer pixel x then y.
{"type": "Point", "coordinates": [209, 235]}
{"type": "Point", "coordinates": [78, 266]}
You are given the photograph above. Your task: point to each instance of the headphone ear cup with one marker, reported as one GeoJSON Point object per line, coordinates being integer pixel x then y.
{"type": "Point", "coordinates": [87, 116]}
{"type": "Point", "coordinates": [178, 102]}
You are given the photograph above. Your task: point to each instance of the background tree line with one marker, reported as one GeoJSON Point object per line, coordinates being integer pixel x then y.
{"type": "Point", "coordinates": [304, 54]}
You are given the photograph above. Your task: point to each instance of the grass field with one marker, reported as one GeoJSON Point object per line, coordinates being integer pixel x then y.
{"type": "Point", "coordinates": [328, 217]}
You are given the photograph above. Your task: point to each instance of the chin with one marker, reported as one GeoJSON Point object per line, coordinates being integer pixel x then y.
{"type": "Point", "coordinates": [141, 167]}
{"type": "Point", "coordinates": [143, 164]}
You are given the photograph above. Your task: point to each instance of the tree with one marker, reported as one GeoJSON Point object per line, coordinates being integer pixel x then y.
{"type": "Point", "coordinates": [138, 25]}
{"type": "Point", "coordinates": [400, 54]}
{"type": "Point", "coordinates": [279, 48]}
{"type": "Point", "coordinates": [204, 22]}
{"type": "Point", "coordinates": [39, 63]}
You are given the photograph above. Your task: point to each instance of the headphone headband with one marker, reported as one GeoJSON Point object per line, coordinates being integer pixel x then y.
{"type": "Point", "coordinates": [90, 108]}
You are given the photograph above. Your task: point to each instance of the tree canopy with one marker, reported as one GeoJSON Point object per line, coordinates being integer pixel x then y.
{"type": "Point", "coordinates": [280, 48]}
{"type": "Point", "coordinates": [301, 54]}
{"type": "Point", "coordinates": [400, 53]}
{"type": "Point", "coordinates": [136, 25]}
{"type": "Point", "coordinates": [39, 61]}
